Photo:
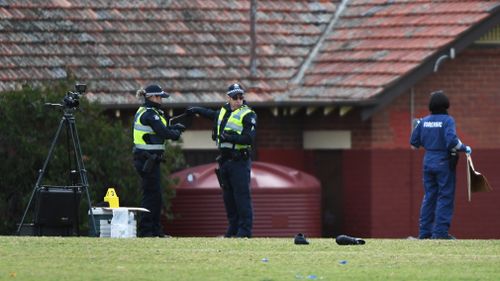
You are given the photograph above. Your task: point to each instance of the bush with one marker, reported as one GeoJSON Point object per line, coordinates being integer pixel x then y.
{"type": "Point", "coordinates": [28, 128]}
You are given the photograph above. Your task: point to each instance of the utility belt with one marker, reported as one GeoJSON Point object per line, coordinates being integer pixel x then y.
{"type": "Point", "coordinates": [233, 154]}
{"type": "Point", "coordinates": [151, 159]}
{"type": "Point", "coordinates": [226, 155]}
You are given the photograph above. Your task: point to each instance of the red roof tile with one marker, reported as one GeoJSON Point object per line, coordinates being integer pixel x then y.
{"type": "Point", "coordinates": [194, 49]}
{"type": "Point", "coordinates": [376, 43]}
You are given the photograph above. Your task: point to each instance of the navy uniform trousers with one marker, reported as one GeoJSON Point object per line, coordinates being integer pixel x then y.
{"type": "Point", "coordinates": [438, 203]}
{"type": "Point", "coordinates": [149, 224]}
{"type": "Point", "coordinates": [237, 197]}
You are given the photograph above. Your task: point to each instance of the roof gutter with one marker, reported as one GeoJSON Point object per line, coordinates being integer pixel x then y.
{"type": "Point", "coordinates": [315, 103]}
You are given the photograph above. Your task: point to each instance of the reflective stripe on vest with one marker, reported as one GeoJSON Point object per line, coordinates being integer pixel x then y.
{"type": "Point", "coordinates": [235, 124]}
{"type": "Point", "coordinates": [140, 130]}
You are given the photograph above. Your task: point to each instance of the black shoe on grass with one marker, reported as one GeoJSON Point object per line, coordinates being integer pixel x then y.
{"type": "Point", "coordinates": [348, 240]}
{"type": "Point", "coordinates": [300, 239]}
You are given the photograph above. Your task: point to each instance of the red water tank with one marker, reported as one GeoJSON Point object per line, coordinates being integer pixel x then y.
{"type": "Point", "coordinates": [285, 202]}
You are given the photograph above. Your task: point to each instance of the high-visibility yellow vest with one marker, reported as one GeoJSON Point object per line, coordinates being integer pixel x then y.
{"type": "Point", "coordinates": [234, 124]}
{"type": "Point", "coordinates": [140, 130]}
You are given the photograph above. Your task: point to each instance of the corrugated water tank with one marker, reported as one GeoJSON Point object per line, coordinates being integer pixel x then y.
{"type": "Point", "coordinates": [285, 201]}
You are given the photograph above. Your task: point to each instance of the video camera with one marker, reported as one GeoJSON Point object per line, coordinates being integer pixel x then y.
{"type": "Point", "coordinates": [72, 99]}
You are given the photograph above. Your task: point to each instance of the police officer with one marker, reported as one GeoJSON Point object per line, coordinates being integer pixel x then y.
{"type": "Point", "coordinates": [150, 133]}
{"type": "Point", "coordinates": [436, 133]}
{"type": "Point", "coordinates": [234, 132]}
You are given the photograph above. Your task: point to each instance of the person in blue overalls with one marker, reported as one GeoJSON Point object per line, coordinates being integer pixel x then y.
{"type": "Point", "coordinates": [436, 133]}
{"type": "Point", "coordinates": [150, 134]}
{"type": "Point", "coordinates": [234, 132]}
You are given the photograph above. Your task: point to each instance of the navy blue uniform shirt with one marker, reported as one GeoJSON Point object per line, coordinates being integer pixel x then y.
{"type": "Point", "coordinates": [437, 134]}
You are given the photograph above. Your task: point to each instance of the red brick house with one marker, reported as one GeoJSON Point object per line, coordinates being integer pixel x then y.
{"type": "Point", "coordinates": [335, 84]}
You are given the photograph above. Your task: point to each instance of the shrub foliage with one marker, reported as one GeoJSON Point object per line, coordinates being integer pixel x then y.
{"type": "Point", "coordinates": [28, 127]}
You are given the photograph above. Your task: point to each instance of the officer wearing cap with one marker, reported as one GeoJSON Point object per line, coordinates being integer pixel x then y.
{"type": "Point", "coordinates": [150, 133]}
{"type": "Point", "coordinates": [234, 132]}
{"type": "Point", "coordinates": [436, 133]}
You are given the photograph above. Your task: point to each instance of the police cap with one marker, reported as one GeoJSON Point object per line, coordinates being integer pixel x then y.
{"type": "Point", "coordinates": [235, 89]}
{"type": "Point", "coordinates": [155, 90]}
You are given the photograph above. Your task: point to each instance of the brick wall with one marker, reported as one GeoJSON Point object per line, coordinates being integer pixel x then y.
{"type": "Point", "coordinates": [472, 83]}
{"type": "Point", "coordinates": [480, 217]}
{"type": "Point", "coordinates": [380, 198]}
{"type": "Point", "coordinates": [357, 193]}
{"type": "Point", "coordinates": [278, 131]}
{"type": "Point", "coordinates": [393, 173]}
{"type": "Point", "coordinates": [381, 180]}
{"type": "Point", "coordinates": [285, 131]}
{"type": "Point", "coordinates": [383, 192]}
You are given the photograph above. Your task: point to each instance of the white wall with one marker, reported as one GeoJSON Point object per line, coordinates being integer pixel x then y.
{"type": "Point", "coordinates": [324, 139]}
{"type": "Point", "coordinates": [201, 139]}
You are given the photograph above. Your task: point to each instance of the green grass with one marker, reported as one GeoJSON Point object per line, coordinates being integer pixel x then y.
{"type": "Point", "coordinates": [67, 259]}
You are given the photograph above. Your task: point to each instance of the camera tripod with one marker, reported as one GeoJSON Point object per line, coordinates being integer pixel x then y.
{"type": "Point", "coordinates": [68, 121]}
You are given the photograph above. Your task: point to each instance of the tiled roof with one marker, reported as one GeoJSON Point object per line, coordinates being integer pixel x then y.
{"type": "Point", "coordinates": [196, 48]}
{"type": "Point", "coordinates": [375, 44]}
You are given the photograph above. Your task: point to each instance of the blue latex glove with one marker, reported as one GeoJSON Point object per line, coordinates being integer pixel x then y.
{"type": "Point", "coordinates": [468, 150]}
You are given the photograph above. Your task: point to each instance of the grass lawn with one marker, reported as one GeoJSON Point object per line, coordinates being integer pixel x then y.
{"type": "Point", "coordinates": [82, 258]}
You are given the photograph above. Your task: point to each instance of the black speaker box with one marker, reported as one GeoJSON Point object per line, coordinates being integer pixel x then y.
{"type": "Point", "coordinates": [30, 229]}
{"type": "Point", "coordinates": [56, 211]}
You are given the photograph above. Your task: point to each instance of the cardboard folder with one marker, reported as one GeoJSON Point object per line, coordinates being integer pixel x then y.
{"type": "Point", "coordinates": [475, 181]}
